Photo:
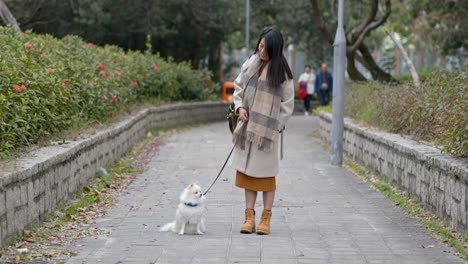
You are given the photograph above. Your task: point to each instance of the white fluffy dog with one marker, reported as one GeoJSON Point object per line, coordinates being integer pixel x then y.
{"type": "Point", "coordinates": [190, 214]}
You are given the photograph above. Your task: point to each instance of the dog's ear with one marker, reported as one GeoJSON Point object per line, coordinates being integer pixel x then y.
{"type": "Point", "coordinates": [190, 186]}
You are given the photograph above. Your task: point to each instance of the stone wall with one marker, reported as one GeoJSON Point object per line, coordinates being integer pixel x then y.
{"type": "Point", "coordinates": [437, 180]}
{"type": "Point", "coordinates": [33, 186]}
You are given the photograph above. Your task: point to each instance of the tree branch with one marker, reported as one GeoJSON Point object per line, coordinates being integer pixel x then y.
{"type": "Point", "coordinates": [371, 26]}
{"type": "Point", "coordinates": [319, 23]}
{"type": "Point", "coordinates": [371, 17]}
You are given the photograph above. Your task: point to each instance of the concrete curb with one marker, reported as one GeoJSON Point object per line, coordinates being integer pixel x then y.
{"type": "Point", "coordinates": [439, 181]}
{"type": "Point", "coordinates": [48, 176]}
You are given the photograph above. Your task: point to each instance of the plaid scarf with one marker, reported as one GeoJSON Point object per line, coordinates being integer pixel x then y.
{"type": "Point", "coordinates": [262, 127]}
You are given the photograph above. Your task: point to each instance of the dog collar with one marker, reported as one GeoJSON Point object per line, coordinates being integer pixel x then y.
{"type": "Point", "coordinates": [191, 204]}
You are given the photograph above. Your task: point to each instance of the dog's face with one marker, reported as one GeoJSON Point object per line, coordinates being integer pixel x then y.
{"type": "Point", "coordinates": [193, 192]}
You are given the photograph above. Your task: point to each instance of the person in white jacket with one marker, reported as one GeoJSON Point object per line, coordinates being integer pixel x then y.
{"type": "Point", "coordinates": [308, 77]}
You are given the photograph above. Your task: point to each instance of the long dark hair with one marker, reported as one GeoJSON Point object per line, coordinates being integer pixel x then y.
{"type": "Point", "coordinates": [279, 68]}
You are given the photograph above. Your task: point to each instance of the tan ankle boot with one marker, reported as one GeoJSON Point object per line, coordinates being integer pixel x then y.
{"type": "Point", "coordinates": [264, 226]}
{"type": "Point", "coordinates": [249, 223]}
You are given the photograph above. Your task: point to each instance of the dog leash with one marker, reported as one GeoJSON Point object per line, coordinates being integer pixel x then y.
{"type": "Point", "coordinates": [219, 174]}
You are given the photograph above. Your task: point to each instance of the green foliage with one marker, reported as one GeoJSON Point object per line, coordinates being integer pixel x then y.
{"type": "Point", "coordinates": [322, 108]}
{"type": "Point", "coordinates": [185, 30]}
{"type": "Point", "coordinates": [48, 85]}
{"type": "Point", "coordinates": [435, 25]}
{"type": "Point", "coordinates": [435, 112]}
{"type": "Point", "coordinates": [440, 23]}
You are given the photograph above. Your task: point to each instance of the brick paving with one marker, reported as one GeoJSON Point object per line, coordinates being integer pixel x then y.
{"type": "Point", "coordinates": [322, 213]}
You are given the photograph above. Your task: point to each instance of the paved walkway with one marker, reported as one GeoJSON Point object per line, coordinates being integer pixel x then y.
{"type": "Point", "coordinates": [322, 214]}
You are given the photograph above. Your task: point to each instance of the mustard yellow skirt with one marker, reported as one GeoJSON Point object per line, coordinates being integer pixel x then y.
{"type": "Point", "coordinates": [255, 184]}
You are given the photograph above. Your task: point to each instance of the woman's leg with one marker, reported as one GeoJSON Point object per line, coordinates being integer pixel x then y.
{"type": "Point", "coordinates": [250, 199]}
{"type": "Point", "coordinates": [264, 226]}
{"type": "Point", "coordinates": [249, 222]}
{"type": "Point", "coordinates": [268, 198]}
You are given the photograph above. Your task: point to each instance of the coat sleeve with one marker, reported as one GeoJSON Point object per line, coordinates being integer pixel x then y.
{"type": "Point", "coordinates": [239, 88]}
{"type": "Point", "coordinates": [287, 103]}
{"type": "Point", "coordinates": [330, 82]}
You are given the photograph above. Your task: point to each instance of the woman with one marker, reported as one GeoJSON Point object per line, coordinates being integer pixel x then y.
{"type": "Point", "coordinates": [308, 78]}
{"type": "Point", "coordinates": [264, 101]}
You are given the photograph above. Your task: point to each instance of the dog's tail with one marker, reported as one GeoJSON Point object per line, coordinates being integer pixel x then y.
{"type": "Point", "coordinates": [168, 227]}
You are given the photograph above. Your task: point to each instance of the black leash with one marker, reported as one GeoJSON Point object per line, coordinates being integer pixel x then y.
{"type": "Point", "coordinates": [219, 174]}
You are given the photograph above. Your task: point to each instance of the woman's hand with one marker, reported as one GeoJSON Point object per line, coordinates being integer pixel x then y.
{"type": "Point", "coordinates": [243, 115]}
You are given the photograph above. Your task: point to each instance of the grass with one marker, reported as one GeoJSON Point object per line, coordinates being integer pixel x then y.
{"type": "Point", "coordinates": [414, 209]}
{"type": "Point", "coordinates": [319, 109]}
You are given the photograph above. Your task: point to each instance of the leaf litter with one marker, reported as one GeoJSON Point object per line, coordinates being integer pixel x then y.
{"type": "Point", "coordinates": [56, 238]}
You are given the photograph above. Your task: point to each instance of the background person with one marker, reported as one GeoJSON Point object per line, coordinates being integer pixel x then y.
{"type": "Point", "coordinates": [323, 85]}
{"type": "Point", "coordinates": [309, 78]}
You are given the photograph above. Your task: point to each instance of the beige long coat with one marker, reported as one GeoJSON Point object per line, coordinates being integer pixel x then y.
{"type": "Point", "coordinates": [251, 161]}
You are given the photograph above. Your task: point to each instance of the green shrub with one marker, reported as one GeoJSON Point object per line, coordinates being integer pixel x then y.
{"type": "Point", "coordinates": [436, 111]}
{"type": "Point", "coordinates": [48, 84]}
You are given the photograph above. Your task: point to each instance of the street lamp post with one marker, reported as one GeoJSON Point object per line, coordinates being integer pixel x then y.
{"type": "Point", "coordinates": [339, 56]}
{"type": "Point", "coordinates": [247, 25]}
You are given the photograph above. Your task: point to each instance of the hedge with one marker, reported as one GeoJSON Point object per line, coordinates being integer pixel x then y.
{"type": "Point", "coordinates": [436, 112]}
{"type": "Point", "coordinates": [49, 84]}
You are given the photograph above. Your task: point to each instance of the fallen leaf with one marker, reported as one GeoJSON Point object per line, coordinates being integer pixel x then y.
{"type": "Point", "coordinates": [50, 253]}
{"type": "Point", "coordinates": [27, 233]}
{"type": "Point", "coordinates": [30, 240]}
{"type": "Point", "coordinates": [17, 260]}
{"type": "Point", "coordinates": [71, 217]}
{"type": "Point", "coordinates": [22, 245]}
{"type": "Point", "coordinates": [427, 246]}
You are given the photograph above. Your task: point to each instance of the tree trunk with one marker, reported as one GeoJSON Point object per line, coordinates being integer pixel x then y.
{"type": "Point", "coordinates": [7, 17]}
{"type": "Point", "coordinates": [420, 57]}
{"type": "Point", "coordinates": [376, 72]}
{"type": "Point", "coordinates": [353, 72]}
{"type": "Point", "coordinates": [442, 62]}
{"type": "Point", "coordinates": [414, 73]}
{"type": "Point", "coordinates": [214, 64]}
{"type": "Point", "coordinates": [465, 58]}
{"type": "Point", "coordinates": [355, 40]}
{"type": "Point", "coordinates": [397, 67]}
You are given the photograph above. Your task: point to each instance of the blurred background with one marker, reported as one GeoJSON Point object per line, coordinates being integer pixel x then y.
{"type": "Point", "coordinates": [211, 34]}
